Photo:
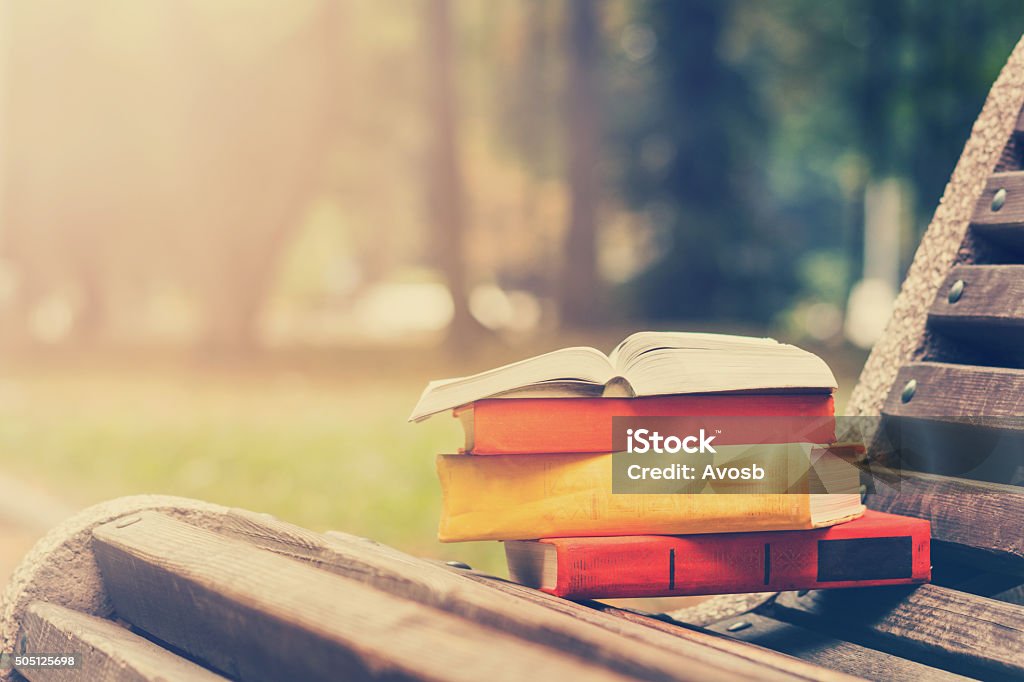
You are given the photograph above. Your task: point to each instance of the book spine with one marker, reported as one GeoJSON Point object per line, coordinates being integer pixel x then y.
{"type": "Point", "coordinates": [739, 563]}
{"type": "Point", "coordinates": [557, 425]}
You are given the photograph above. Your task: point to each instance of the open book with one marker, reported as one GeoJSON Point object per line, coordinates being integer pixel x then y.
{"type": "Point", "coordinates": [645, 364]}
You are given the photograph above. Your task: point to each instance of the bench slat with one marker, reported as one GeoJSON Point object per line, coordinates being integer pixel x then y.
{"type": "Point", "coordinates": [977, 523]}
{"type": "Point", "coordinates": [764, 662]}
{"type": "Point", "coordinates": [934, 625]}
{"type": "Point", "coordinates": [991, 300]}
{"type": "Point", "coordinates": [258, 616]}
{"type": "Point", "coordinates": [947, 391]}
{"type": "Point", "coordinates": [955, 420]}
{"type": "Point", "coordinates": [1002, 231]}
{"type": "Point", "coordinates": [1011, 214]}
{"type": "Point", "coordinates": [827, 651]}
{"type": "Point", "coordinates": [108, 651]}
{"type": "Point", "coordinates": [638, 646]}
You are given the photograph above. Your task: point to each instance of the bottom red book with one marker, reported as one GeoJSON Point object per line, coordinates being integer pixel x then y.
{"type": "Point", "coordinates": [876, 549]}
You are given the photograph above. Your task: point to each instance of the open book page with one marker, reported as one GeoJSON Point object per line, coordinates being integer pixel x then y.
{"type": "Point", "coordinates": [561, 370]}
{"type": "Point", "coordinates": [645, 364]}
{"type": "Point", "coordinates": [636, 345]}
{"type": "Point", "coordinates": [664, 363]}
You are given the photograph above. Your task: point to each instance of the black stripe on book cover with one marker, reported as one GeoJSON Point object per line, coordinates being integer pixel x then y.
{"type": "Point", "coordinates": [865, 559]}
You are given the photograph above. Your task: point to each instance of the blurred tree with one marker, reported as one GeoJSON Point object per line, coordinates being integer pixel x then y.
{"type": "Point", "coordinates": [693, 164]}
{"type": "Point", "coordinates": [175, 146]}
{"type": "Point", "coordinates": [260, 159]}
{"type": "Point", "coordinates": [580, 299]}
{"type": "Point", "coordinates": [529, 115]}
{"type": "Point", "coordinates": [763, 123]}
{"type": "Point", "coordinates": [159, 143]}
{"type": "Point", "coordinates": [864, 92]}
{"type": "Point", "coordinates": [443, 176]}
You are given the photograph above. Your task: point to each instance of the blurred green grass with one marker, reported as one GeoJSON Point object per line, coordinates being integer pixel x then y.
{"type": "Point", "coordinates": [326, 455]}
{"type": "Point", "coordinates": [326, 447]}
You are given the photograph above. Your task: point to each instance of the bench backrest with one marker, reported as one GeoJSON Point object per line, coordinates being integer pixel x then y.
{"type": "Point", "coordinates": [954, 347]}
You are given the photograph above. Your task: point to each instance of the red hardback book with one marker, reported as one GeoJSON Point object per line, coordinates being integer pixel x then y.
{"type": "Point", "coordinates": [876, 549]}
{"type": "Point", "coordinates": [511, 426]}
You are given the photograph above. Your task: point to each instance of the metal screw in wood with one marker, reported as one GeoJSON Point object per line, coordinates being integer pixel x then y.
{"type": "Point", "coordinates": [999, 199]}
{"type": "Point", "coordinates": [956, 290]}
{"type": "Point", "coordinates": [909, 390]}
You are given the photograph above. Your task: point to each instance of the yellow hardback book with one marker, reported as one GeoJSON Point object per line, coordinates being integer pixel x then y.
{"type": "Point", "coordinates": [522, 497]}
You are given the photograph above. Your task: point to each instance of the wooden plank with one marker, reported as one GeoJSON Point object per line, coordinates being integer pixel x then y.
{"type": "Point", "coordinates": [1004, 227]}
{"type": "Point", "coordinates": [933, 625]}
{"type": "Point", "coordinates": [261, 617]}
{"type": "Point", "coordinates": [989, 311]}
{"type": "Point", "coordinates": [633, 645]}
{"type": "Point", "coordinates": [107, 651]}
{"type": "Point", "coordinates": [720, 607]}
{"type": "Point", "coordinates": [960, 421]}
{"type": "Point", "coordinates": [948, 391]}
{"type": "Point", "coordinates": [979, 523]}
{"type": "Point", "coordinates": [826, 651]}
{"type": "Point", "coordinates": [990, 294]}
{"type": "Point", "coordinates": [763, 663]}
{"type": "Point", "coordinates": [1011, 214]}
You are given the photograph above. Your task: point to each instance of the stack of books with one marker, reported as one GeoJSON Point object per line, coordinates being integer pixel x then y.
{"type": "Point", "coordinates": [536, 467]}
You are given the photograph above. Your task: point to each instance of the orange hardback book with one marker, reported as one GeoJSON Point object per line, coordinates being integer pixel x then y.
{"type": "Point", "coordinates": [505, 426]}
{"type": "Point", "coordinates": [876, 549]}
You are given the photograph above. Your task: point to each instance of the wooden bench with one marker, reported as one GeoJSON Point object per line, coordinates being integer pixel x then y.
{"type": "Point", "coordinates": [143, 587]}
{"type": "Point", "coordinates": [154, 588]}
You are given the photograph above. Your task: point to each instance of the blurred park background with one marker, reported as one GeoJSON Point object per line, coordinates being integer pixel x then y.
{"type": "Point", "coordinates": [238, 237]}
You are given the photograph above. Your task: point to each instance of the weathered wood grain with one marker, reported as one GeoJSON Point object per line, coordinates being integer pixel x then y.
{"type": "Point", "coordinates": [107, 650]}
{"type": "Point", "coordinates": [990, 307]}
{"type": "Point", "coordinates": [962, 421]}
{"type": "Point", "coordinates": [762, 662]}
{"type": "Point", "coordinates": [826, 651]}
{"type": "Point", "coordinates": [258, 616]}
{"type": "Point", "coordinates": [1011, 213]}
{"type": "Point", "coordinates": [977, 317]}
{"type": "Point", "coordinates": [726, 642]}
{"type": "Point", "coordinates": [933, 625]}
{"type": "Point", "coordinates": [977, 523]}
{"type": "Point", "coordinates": [720, 607]}
{"type": "Point", "coordinates": [949, 391]}
{"type": "Point", "coordinates": [636, 646]}
{"type": "Point", "coordinates": [1003, 228]}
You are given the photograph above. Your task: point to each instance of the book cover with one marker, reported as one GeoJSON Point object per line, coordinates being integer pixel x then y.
{"type": "Point", "coordinates": [876, 549]}
{"type": "Point", "coordinates": [554, 425]}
